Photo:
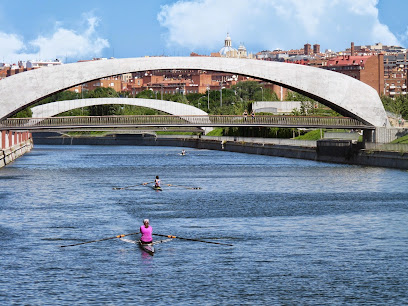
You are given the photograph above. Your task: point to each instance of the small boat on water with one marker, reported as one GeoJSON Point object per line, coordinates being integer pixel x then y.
{"type": "Point", "coordinates": [158, 188]}
{"type": "Point", "coordinates": [148, 248]}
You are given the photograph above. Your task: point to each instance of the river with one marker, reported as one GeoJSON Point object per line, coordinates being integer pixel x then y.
{"type": "Point", "coordinates": [303, 232]}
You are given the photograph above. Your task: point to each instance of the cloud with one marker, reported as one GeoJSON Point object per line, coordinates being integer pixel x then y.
{"type": "Point", "coordinates": [60, 44]}
{"type": "Point", "coordinates": [270, 24]}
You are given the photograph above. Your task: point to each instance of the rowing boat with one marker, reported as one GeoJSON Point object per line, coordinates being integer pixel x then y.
{"type": "Point", "coordinates": [148, 248]}
{"type": "Point", "coordinates": [158, 188]}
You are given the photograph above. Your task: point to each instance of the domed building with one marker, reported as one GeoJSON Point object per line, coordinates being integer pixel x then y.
{"type": "Point", "coordinates": [242, 51]}
{"type": "Point", "coordinates": [228, 50]}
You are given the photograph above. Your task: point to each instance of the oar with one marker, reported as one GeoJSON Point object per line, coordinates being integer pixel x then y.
{"type": "Point", "coordinates": [171, 236]}
{"type": "Point", "coordinates": [126, 187]}
{"type": "Point", "coordinates": [113, 237]}
{"type": "Point", "coordinates": [187, 187]}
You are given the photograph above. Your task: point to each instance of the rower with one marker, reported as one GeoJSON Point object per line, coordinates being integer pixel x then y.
{"type": "Point", "coordinates": [157, 182]}
{"type": "Point", "coordinates": [146, 230]}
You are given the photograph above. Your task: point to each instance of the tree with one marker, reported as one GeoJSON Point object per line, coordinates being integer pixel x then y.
{"type": "Point", "coordinates": [247, 90]}
{"type": "Point", "coordinates": [103, 110]}
{"type": "Point", "coordinates": [398, 106]}
{"type": "Point", "coordinates": [25, 113]}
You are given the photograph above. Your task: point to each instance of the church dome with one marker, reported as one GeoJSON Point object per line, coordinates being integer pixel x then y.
{"type": "Point", "coordinates": [227, 46]}
{"type": "Point", "coordinates": [225, 50]}
{"type": "Point", "coordinates": [242, 48]}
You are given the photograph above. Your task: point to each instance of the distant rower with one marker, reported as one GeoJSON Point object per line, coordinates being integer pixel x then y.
{"type": "Point", "coordinates": [157, 182]}
{"type": "Point", "coordinates": [146, 230]}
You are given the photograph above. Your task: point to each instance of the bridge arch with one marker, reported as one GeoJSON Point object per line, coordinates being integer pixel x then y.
{"type": "Point", "coordinates": [172, 108]}
{"type": "Point", "coordinates": [342, 93]}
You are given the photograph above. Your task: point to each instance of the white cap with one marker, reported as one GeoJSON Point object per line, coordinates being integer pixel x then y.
{"type": "Point", "coordinates": [146, 220]}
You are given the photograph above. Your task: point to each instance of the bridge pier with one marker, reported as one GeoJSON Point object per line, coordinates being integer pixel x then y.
{"type": "Point", "coordinates": [383, 134]}
{"type": "Point", "coordinates": [368, 135]}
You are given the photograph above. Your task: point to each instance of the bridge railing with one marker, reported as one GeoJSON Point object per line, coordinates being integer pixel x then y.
{"type": "Point", "coordinates": [183, 120]}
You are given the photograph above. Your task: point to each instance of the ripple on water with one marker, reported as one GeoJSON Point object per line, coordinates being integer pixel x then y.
{"type": "Point", "coordinates": [303, 232]}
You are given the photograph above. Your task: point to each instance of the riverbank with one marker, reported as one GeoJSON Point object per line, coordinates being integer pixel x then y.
{"type": "Point", "coordinates": [13, 145]}
{"type": "Point", "coordinates": [10, 154]}
{"type": "Point", "coordinates": [332, 151]}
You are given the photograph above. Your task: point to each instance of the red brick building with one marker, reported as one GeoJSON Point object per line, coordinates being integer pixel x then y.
{"type": "Point", "coordinates": [395, 83]}
{"type": "Point", "coordinates": [367, 69]}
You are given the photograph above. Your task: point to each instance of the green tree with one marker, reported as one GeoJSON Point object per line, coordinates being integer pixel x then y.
{"type": "Point", "coordinates": [398, 105]}
{"type": "Point", "coordinates": [103, 110]}
{"type": "Point", "coordinates": [25, 113]}
{"type": "Point", "coordinates": [247, 90]}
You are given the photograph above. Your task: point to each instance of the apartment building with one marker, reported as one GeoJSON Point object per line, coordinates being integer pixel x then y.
{"type": "Point", "coordinates": [367, 69]}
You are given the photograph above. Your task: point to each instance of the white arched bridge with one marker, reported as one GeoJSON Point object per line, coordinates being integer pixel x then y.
{"type": "Point", "coordinates": [347, 96]}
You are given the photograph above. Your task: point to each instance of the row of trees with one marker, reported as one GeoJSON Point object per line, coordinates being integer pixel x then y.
{"type": "Point", "coordinates": [398, 105]}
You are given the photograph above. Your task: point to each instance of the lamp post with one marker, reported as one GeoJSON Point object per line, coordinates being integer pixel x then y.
{"type": "Point", "coordinates": [153, 91]}
{"type": "Point", "coordinates": [262, 93]}
{"type": "Point", "coordinates": [239, 96]}
{"type": "Point", "coordinates": [198, 102]}
{"type": "Point", "coordinates": [208, 97]}
{"type": "Point", "coordinates": [221, 94]}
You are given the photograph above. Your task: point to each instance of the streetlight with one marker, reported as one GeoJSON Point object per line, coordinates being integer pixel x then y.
{"type": "Point", "coordinates": [242, 100]}
{"type": "Point", "coordinates": [262, 93]}
{"type": "Point", "coordinates": [153, 91]}
{"type": "Point", "coordinates": [198, 102]}
{"type": "Point", "coordinates": [221, 93]}
{"type": "Point", "coordinates": [208, 98]}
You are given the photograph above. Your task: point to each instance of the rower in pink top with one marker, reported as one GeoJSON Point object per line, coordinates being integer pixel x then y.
{"type": "Point", "coordinates": [146, 230]}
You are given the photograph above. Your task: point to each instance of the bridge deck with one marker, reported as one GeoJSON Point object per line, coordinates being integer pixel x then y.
{"type": "Point", "coordinates": [180, 121]}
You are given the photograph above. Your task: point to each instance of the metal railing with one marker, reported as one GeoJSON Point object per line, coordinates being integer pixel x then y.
{"type": "Point", "coordinates": [180, 121]}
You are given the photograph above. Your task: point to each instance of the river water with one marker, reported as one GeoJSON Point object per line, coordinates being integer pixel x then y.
{"type": "Point", "coordinates": [303, 232]}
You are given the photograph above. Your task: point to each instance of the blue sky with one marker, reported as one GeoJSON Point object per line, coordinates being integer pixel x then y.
{"type": "Point", "coordinates": [73, 30]}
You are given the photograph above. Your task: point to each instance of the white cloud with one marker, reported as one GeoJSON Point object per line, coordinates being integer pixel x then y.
{"type": "Point", "coordinates": [60, 44]}
{"type": "Point", "coordinates": [270, 24]}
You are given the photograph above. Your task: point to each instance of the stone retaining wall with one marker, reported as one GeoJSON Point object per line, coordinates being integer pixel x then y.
{"type": "Point", "coordinates": [10, 154]}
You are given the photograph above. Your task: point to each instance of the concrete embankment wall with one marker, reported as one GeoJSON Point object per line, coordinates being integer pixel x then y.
{"type": "Point", "coordinates": [13, 145]}
{"type": "Point", "coordinates": [332, 151]}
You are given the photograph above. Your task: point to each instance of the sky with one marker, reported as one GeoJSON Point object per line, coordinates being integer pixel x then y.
{"type": "Point", "coordinates": [78, 30]}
